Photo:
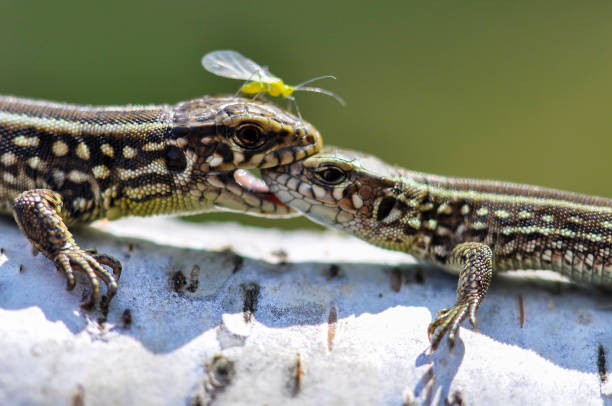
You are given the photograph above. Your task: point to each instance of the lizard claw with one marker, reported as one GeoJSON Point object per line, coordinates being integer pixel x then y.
{"type": "Point", "coordinates": [73, 258]}
{"type": "Point", "coordinates": [111, 262]}
{"type": "Point", "coordinates": [448, 321]}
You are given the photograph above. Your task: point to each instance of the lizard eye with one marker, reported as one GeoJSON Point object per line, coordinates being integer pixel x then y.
{"type": "Point", "coordinates": [249, 136]}
{"type": "Point", "coordinates": [175, 159]}
{"type": "Point", "coordinates": [331, 175]}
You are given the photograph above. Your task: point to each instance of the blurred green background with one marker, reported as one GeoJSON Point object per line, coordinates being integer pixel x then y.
{"type": "Point", "coordinates": [519, 91]}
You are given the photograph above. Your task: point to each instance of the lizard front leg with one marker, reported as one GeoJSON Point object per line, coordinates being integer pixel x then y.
{"type": "Point", "coordinates": [38, 214]}
{"type": "Point", "coordinates": [474, 261]}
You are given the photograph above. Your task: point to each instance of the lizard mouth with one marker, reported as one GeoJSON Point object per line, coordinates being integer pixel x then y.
{"type": "Point", "coordinates": [253, 184]}
{"type": "Point", "coordinates": [248, 181]}
{"type": "Point", "coordinates": [247, 193]}
{"type": "Point", "coordinates": [257, 187]}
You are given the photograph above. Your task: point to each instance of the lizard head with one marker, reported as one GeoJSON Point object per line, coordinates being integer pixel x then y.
{"type": "Point", "coordinates": [214, 141]}
{"type": "Point", "coordinates": [350, 191]}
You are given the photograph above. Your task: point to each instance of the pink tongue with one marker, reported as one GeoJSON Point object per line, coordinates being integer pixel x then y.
{"type": "Point", "coordinates": [250, 182]}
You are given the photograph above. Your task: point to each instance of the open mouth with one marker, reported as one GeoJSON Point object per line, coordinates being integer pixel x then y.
{"type": "Point", "coordinates": [249, 188]}
{"type": "Point", "coordinates": [253, 184]}
{"type": "Point", "coordinates": [250, 182]}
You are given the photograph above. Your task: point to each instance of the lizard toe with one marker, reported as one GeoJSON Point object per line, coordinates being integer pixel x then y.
{"type": "Point", "coordinates": [447, 321]}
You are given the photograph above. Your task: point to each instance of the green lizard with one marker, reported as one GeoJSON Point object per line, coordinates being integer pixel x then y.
{"type": "Point", "coordinates": [62, 164]}
{"type": "Point", "coordinates": [471, 227]}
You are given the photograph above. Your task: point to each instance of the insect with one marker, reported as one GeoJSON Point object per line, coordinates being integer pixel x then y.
{"type": "Point", "coordinates": [233, 65]}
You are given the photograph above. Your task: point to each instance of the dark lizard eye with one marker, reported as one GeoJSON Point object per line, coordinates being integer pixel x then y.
{"type": "Point", "coordinates": [331, 175]}
{"type": "Point", "coordinates": [249, 136]}
{"type": "Point", "coordinates": [175, 159]}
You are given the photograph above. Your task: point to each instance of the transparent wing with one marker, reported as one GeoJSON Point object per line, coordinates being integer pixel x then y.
{"type": "Point", "coordinates": [231, 64]}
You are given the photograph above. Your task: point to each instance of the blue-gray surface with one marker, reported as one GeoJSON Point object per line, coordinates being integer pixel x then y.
{"type": "Point", "coordinates": [375, 353]}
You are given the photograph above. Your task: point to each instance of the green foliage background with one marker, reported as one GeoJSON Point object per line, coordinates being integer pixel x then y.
{"type": "Point", "coordinates": [520, 91]}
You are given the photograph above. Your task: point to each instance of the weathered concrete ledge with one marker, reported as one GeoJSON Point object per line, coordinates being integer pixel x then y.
{"type": "Point", "coordinates": [234, 315]}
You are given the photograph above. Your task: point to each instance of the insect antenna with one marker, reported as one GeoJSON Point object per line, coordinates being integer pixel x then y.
{"type": "Point", "coordinates": [324, 91]}
{"type": "Point", "coordinates": [314, 80]}
{"type": "Point", "coordinates": [318, 89]}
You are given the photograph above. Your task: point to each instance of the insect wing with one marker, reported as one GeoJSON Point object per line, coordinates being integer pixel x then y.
{"type": "Point", "coordinates": [233, 65]}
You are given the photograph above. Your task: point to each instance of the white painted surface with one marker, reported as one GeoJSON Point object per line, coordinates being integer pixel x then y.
{"type": "Point", "coordinates": [52, 352]}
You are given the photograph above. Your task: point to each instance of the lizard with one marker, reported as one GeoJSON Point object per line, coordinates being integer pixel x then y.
{"type": "Point", "coordinates": [469, 227]}
{"type": "Point", "coordinates": [62, 164]}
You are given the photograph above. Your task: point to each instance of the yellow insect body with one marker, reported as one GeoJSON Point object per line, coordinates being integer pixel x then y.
{"type": "Point", "coordinates": [274, 89]}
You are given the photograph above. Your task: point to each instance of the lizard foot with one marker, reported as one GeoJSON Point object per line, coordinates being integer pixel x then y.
{"type": "Point", "coordinates": [449, 320]}
{"type": "Point", "coordinates": [72, 258]}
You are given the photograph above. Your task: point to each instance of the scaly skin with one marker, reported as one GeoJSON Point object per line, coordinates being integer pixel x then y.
{"type": "Point", "coordinates": [62, 164]}
{"type": "Point", "coordinates": [467, 226]}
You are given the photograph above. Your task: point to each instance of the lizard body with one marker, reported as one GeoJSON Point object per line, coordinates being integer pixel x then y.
{"type": "Point", "coordinates": [470, 227]}
{"type": "Point", "coordinates": [62, 164]}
